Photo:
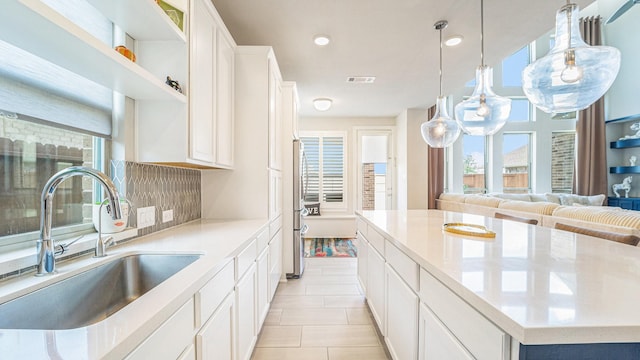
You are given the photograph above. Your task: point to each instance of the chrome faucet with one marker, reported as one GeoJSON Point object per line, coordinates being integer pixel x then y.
{"type": "Point", "coordinates": [45, 245]}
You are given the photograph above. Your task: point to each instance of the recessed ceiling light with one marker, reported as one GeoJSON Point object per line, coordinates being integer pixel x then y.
{"type": "Point", "coordinates": [322, 104]}
{"type": "Point", "coordinates": [453, 40]}
{"type": "Point", "coordinates": [321, 40]}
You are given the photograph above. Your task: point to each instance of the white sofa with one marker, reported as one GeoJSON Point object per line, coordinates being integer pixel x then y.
{"type": "Point", "coordinates": [556, 208]}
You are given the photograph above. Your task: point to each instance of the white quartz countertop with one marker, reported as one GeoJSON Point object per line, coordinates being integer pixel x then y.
{"type": "Point", "coordinates": [116, 336]}
{"type": "Point", "coordinates": [540, 285]}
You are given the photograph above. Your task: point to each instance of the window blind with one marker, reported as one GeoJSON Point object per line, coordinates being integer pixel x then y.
{"type": "Point", "coordinates": [325, 170]}
{"type": "Point", "coordinates": [37, 90]}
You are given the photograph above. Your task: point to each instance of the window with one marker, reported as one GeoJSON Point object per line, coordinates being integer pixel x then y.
{"type": "Point", "coordinates": [324, 172]}
{"type": "Point", "coordinates": [562, 161]}
{"type": "Point", "coordinates": [512, 68]}
{"type": "Point", "coordinates": [50, 119]}
{"type": "Point", "coordinates": [516, 163]}
{"type": "Point", "coordinates": [520, 110]}
{"type": "Point", "coordinates": [474, 178]}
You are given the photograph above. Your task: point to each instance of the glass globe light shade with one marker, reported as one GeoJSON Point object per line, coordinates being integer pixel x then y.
{"type": "Point", "coordinates": [573, 75]}
{"type": "Point", "coordinates": [441, 131]}
{"type": "Point", "coordinates": [484, 112]}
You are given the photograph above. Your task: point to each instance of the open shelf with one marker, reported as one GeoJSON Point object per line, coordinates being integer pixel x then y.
{"type": "Point", "coordinates": [624, 170]}
{"type": "Point", "coordinates": [35, 27]}
{"type": "Point", "coordinates": [627, 143]}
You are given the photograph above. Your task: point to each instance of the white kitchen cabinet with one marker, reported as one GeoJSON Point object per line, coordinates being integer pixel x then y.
{"type": "Point", "coordinates": [401, 317]}
{"type": "Point", "coordinates": [188, 354]}
{"type": "Point", "coordinates": [215, 340]}
{"type": "Point", "coordinates": [201, 134]}
{"type": "Point", "coordinates": [363, 251]}
{"type": "Point", "coordinates": [171, 338]}
{"type": "Point", "coordinates": [275, 262]}
{"type": "Point", "coordinates": [246, 334]}
{"type": "Point", "coordinates": [275, 116]}
{"type": "Point", "coordinates": [275, 193]}
{"type": "Point", "coordinates": [376, 287]}
{"type": "Point", "coordinates": [262, 289]}
{"type": "Point", "coordinates": [436, 341]}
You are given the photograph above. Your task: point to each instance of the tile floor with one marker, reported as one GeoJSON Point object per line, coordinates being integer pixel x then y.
{"type": "Point", "coordinates": [322, 316]}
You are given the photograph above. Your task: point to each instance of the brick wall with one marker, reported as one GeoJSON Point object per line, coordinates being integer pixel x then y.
{"type": "Point", "coordinates": [562, 161]}
{"type": "Point", "coordinates": [368, 187]}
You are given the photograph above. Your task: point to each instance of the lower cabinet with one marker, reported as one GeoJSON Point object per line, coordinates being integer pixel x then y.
{"type": "Point", "coordinates": [246, 314]}
{"type": "Point", "coordinates": [215, 340]}
{"type": "Point", "coordinates": [262, 293]}
{"type": "Point", "coordinates": [375, 286]}
{"type": "Point", "coordinates": [436, 342]}
{"type": "Point", "coordinates": [362, 247]}
{"type": "Point", "coordinates": [401, 318]}
{"type": "Point", "coordinates": [275, 263]}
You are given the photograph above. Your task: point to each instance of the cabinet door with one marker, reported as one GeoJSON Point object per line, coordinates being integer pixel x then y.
{"type": "Point", "coordinates": [202, 82]}
{"type": "Point", "coordinates": [275, 117]}
{"type": "Point", "coordinates": [275, 194]}
{"type": "Point", "coordinates": [262, 295]}
{"type": "Point", "coordinates": [224, 100]}
{"type": "Point", "coordinates": [361, 245]}
{"type": "Point", "coordinates": [436, 342]}
{"type": "Point", "coordinates": [375, 287]}
{"type": "Point", "coordinates": [246, 314]}
{"type": "Point", "coordinates": [275, 263]}
{"type": "Point", "coordinates": [401, 318]}
{"type": "Point", "coordinates": [215, 339]}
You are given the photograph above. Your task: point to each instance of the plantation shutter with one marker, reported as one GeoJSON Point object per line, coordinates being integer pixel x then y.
{"type": "Point", "coordinates": [332, 169]}
{"type": "Point", "coordinates": [311, 172]}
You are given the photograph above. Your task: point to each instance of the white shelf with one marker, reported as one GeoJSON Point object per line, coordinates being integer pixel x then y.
{"type": "Point", "coordinates": [35, 27]}
{"type": "Point", "coordinates": [144, 20]}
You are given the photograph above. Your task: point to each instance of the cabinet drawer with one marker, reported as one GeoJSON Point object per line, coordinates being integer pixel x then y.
{"type": "Point", "coordinates": [246, 258]}
{"type": "Point", "coordinates": [262, 240]}
{"type": "Point", "coordinates": [363, 227]}
{"type": "Point", "coordinates": [213, 292]}
{"type": "Point", "coordinates": [479, 336]}
{"type": "Point", "coordinates": [376, 240]}
{"type": "Point", "coordinates": [275, 226]}
{"type": "Point", "coordinates": [171, 338]}
{"type": "Point", "coordinates": [403, 265]}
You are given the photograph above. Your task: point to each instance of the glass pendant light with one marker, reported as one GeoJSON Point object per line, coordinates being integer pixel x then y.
{"type": "Point", "coordinates": [573, 75]}
{"type": "Point", "coordinates": [441, 131]}
{"type": "Point", "coordinates": [484, 113]}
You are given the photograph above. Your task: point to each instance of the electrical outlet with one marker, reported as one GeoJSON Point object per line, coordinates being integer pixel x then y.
{"type": "Point", "coordinates": [146, 217]}
{"type": "Point", "coordinates": [167, 215]}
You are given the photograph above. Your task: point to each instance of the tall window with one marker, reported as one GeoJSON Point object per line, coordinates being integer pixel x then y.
{"type": "Point", "coordinates": [50, 119]}
{"type": "Point", "coordinates": [474, 164]}
{"type": "Point", "coordinates": [516, 163]}
{"type": "Point", "coordinates": [325, 170]}
{"type": "Point", "coordinates": [562, 161]}
{"type": "Point", "coordinates": [512, 68]}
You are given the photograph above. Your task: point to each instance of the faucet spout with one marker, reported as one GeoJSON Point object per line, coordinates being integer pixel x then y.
{"type": "Point", "coordinates": [45, 245]}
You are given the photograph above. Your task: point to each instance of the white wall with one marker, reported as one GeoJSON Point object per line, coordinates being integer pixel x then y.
{"type": "Point", "coordinates": [347, 125]}
{"type": "Point", "coordinates": [401, 161]}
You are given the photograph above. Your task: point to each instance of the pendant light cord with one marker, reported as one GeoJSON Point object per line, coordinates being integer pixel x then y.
{"type": "Point", "coordinates": [440, 62]}
{"type": "Point", "coordinates": [482, 33]}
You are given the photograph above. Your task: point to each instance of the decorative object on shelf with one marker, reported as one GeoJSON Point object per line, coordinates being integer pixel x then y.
{"type": "Point", "coordinates": [573, 75]}
{"type": "Point", "coordinates": [632, 160]}
{"type": "Point", "coordinates": [313, 209]}
{"type": "Point", "coordinates": [484, 113]}
{"type": "Point", "coordinates": [635, 127]}
{"type": "Point", "coordinates": [441, 131]}
{"type": "Point", "coordinates": [468, 229]}
{"type": "Point", "coordinates": [174, 84]}
{"type": "Point", "coordinates": [626, 186]}
{"type": "Point", "coordinates": [176, 15]}
{"type": "Point", "coordinates": [126, 52]}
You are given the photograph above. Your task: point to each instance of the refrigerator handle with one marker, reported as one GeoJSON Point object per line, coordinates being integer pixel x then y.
{"type": "Point", "coordinates": [304, 229]}
{"type": "Point", "coordinates": [304, 211]}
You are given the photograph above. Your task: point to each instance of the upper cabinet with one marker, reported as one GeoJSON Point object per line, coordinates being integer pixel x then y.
{"type": "Point", "coordinates": [201, 136]}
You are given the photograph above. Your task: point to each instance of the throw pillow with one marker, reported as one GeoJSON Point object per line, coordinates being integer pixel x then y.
{"type": "Point", "coordinates": [314, 209]}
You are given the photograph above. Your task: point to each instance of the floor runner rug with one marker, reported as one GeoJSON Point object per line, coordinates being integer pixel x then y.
{"type": "Point", "coordinates": [329, 247]}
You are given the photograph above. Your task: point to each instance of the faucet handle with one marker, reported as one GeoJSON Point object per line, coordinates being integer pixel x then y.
{"type": "Point", "coordinates": [102, 244]}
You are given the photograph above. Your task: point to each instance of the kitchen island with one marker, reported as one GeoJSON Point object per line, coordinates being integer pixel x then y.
{"type": "Point", "coordinates": [529, 293]}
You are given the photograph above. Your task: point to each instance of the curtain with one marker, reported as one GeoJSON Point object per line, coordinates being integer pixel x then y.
{"type": "Point", "coordinates": [435, 169]}
{"type": "Point", "coordinates": [591, 161]}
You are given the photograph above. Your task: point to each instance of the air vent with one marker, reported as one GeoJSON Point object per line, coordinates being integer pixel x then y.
{"type": "Point", "coordinates": [361, 79]}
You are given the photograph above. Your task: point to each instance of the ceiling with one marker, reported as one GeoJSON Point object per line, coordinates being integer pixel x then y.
{"type": "Point", "coordinates": [393, 40]}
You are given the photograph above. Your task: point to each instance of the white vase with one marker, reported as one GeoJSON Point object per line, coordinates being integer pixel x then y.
{"type": "Point", "coordinates": [109, 225]}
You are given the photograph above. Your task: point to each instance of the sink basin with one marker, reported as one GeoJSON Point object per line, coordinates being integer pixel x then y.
{"type": "Point", "coordinates": [93, 295]}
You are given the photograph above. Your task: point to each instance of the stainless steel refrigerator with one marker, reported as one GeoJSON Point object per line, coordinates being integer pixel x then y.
{"type": "Point", "coordinates": [299, 211]}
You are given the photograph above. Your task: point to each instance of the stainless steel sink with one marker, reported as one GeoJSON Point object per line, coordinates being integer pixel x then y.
{"type": "Point", "coordinates": [93, 295]}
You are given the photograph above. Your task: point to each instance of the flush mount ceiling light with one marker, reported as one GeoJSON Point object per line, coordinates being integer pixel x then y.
{"type": "Point", "coordinates": [441, 131]}
{"type": "Point", "coordinates": [321, 40]}
{"type": "Point", "coordinates": [322, 104]}
{"type": "Point", "coordinates": [453, 40]}
{"type": "Point", "coordinates": [484, 113]}
{"type": "Point", "coordinates": [573, 75]}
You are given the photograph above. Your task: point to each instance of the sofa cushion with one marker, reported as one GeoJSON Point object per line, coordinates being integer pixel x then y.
{"type": "Point", "coordinates": [483, 200]}
{"type": "Point", "coordinates": [538, 197]}
{"type": "Point", "coordinates": [543, 208]}
{"type": "Point", "coordinates": [571, 199]}
{"type": "Point", "coordinates": [452, 197]}
{"type": "Point", "coordinates": [601, 215]}
{"type": "Point", "coordinates": [519, 197]}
